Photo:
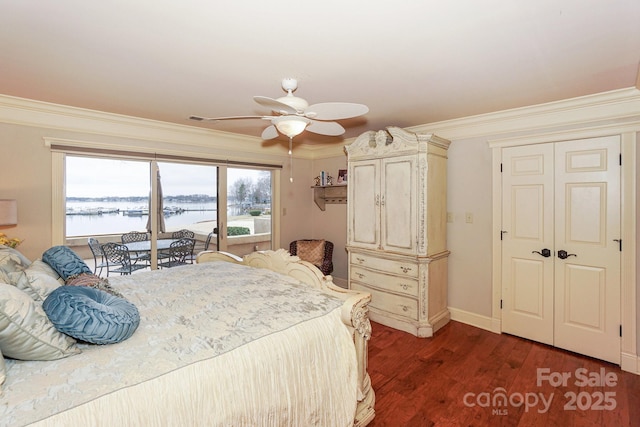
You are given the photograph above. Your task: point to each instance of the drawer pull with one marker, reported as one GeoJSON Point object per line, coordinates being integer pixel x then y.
{"type": "Point", "coordinates": [360, 276]}
{"type": "Point", "coordinates": [405, 269]}
{"type": "Point", "coordinates": [360, 260]}
{"type": "Point", "coordinates": [404, 286]}
{"type": "Point", "coordinates": [405, 308]}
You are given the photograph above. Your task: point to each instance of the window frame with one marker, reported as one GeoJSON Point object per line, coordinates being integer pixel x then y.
{"type": "Point", "coordinates": [61, 148]}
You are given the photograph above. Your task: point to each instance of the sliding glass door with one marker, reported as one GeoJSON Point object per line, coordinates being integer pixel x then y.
{"type": "Point", "coordinates": [105, 196]}
{"type": "Point", "coordinates": [223, 208]}
{"type": "Point", "coordinates": [249, 201]}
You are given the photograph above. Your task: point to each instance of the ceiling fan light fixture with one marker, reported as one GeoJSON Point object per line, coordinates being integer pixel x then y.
{"type": "Point", "coordinates": [291, 125]}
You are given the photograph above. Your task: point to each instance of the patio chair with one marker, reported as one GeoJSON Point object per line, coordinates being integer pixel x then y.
{"type": "Point", "coordinates": [119, 260]}
{"type": "Point", "coordinates": [137, 236]}
{"type": "Point", "coordinates": [96, 250]}
{"type": "Point", "coordinates": [134, 236]}
{"type": "Point", "coordinates": [317, 252]}
{"type": "Point", "coordinates": [183, 233]}
{"type": "Point", "coordinates": [180, 252]}
{"type": "Point", "coordinates": [209, 237]}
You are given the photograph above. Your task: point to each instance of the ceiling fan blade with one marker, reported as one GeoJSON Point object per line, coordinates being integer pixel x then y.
{"type": "Point", "coordinates": [215, 119]}
{"type": "Point", "coordinates": [274, 105]}
{"type": "Point", "coordinates": [325, 128]}
{"type": "Point", "coordinates": [270, 132]}
{"type": "Point", "coordinates": [335, 110]}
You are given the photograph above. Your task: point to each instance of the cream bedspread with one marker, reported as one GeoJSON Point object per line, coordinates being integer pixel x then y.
{"type": "Point", "coordinates": [218, 344]}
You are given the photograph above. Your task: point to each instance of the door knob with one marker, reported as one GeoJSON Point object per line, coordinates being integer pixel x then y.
{"type": "Point", "coordinates": [562, 254]}
{"type": "Point", "coordinates": [545, 252]}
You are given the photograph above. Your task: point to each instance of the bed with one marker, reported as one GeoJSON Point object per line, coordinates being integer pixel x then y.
{"type": "Point", "coordinates": [263, 340]}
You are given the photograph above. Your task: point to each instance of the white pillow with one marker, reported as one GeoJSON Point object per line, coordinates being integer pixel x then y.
{"type": "Point", "coordinates": [11, 260]}
{"type": "Point", "coordinates": [36, 280]}
{"type": "Point", "coordinates": [3, 372]}
{"type": "Point", "coordinates": [42, 267]}
{"type": "Point", "coordinates": [26, 333]}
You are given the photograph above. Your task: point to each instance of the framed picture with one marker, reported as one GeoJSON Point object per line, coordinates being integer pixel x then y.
{"type": "Point", "coordinates": [342, 176]}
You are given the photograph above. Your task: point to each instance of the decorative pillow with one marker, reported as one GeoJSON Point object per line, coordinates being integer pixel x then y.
{"type": "Point", "coordinates": [91, 315]}
{"type": "Point", "coordinates": [36, 281]}
{"type": "Point", "coordinates": [11, 260]}
{"type": "Point", "coordinates": [311, 251]}
{"type": "Point", "coordinates": [93, 281]}
{"type": "Point", "coordinates": [65, 261]}
{"type": "Point", "coordinates": [44, 268]}
{"type": "Point", "coordinates": [25, 331]}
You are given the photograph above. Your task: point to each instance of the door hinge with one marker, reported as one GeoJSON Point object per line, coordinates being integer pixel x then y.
{"type": "Point", "coordinates": [620, 330]}
{"type": "Point", "coordinates": [500, 167]}
{"type": "Point", "coordinates": [620, 159]}
{"type": "Point", "coordinates": [501, 306]}
{"type": "Point", "coordinates": [502, 233]}
{"type": "Point", "coordinates": [619, 244]}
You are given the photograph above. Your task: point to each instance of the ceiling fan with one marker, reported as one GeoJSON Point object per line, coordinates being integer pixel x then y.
{"type": "Point", "coordinates": [292, 115]}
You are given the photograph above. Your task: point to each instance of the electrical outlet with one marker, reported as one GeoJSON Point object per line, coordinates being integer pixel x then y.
{"type": "Point", "coordinates": [468, 218]}
{"type": "Point", "coordinates": [449, 216]}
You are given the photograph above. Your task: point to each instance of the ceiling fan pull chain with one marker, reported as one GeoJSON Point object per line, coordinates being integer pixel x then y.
{"type": "Point", "coordinates": [290, 159]}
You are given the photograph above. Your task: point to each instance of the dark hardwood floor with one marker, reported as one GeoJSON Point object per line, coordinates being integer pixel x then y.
{"type": "Point", "coordinates": [462, 376]}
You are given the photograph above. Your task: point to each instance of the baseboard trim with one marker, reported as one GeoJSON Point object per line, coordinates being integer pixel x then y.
{"type": "Point", "coordinates": [630, 363]}
{"type": "Point", "coordinates": [473, 319]}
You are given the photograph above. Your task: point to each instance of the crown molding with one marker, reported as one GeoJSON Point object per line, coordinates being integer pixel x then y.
{"type": "Point", "coordinates": [582, 111]}
{"type": "Point", "coordinates": [576, 112]}
{"type": "Point", "coordinates": [41, 114]}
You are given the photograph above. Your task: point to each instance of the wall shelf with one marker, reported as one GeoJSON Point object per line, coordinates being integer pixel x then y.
{"type": "Point", "coordinates": [329, 194]}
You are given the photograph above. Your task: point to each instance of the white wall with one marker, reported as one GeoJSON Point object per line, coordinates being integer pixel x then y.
{"type": "Point", "coordinates": [469, 191]}
{"type": "Point", "coordinates": [331, 224]}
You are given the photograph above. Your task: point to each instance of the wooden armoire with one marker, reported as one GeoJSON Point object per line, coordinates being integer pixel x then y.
{"type": "Point", "coordinates": [396, 229]}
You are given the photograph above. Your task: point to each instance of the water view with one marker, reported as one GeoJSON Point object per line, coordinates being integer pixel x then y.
{"type": "Point", "coordinates": [95, 206]}
{"type": "Point", "coordinates": [84, 218]}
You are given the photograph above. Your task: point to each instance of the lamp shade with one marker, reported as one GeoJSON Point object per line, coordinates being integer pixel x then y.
{"type": "Point", "coordinates": [291, 125]}
{"type": "Point", "coordinates": [8, 212]}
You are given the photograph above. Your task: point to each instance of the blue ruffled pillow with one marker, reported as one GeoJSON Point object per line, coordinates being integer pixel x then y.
{"type": "Point", "coordinates": [65, 262]}
{"type": "Point", "coordinates": [91, 315]}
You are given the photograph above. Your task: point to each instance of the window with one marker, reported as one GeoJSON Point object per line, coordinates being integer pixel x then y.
{"type": "Point", "coordinates": [107, 196]}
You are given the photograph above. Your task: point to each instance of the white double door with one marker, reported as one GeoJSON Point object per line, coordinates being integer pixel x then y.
{"type": "Point", "coordinates": [561, 245]}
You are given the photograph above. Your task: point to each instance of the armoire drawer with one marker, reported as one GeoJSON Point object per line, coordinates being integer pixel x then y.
{"type": "Point", "coordinates": [388, 265]}
{"type": "Point", "coordinates": [396, 304]}
{"type": "Point", "coordinates": [399, 284]}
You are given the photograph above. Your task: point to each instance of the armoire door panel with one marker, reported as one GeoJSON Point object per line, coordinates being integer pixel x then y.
{"type": "Point", "coordinates": [364, 226]}
{"type": "Point", "coordinates": [397, 204]}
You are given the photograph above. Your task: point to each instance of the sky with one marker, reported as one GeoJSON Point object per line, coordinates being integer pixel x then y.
{"type": "Point", "coordinates": [92, 177]}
